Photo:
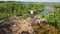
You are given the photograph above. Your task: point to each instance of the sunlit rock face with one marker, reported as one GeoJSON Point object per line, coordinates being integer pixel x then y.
{"type": "Point", "coordinates": [19, 25]}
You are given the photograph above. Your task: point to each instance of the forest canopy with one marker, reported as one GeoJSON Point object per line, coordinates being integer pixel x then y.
{"type": "Point", "coordinates": [8, 9]}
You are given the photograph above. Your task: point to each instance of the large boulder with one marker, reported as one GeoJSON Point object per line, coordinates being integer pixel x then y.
{"type": "Point", "coordinates": [19, 25]}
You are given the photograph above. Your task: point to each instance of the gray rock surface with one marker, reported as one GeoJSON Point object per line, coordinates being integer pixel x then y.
{"type": "Point", "coordinates": [17, 24]}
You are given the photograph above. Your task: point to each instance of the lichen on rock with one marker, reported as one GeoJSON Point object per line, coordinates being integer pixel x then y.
{"type": "Point", "coordinates": [17, 25]}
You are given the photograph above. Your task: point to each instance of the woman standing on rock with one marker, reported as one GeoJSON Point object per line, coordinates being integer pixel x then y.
{"type": "Point", "coordinates": [31, 14]}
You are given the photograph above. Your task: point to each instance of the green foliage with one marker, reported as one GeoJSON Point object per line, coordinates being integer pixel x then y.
{"type": "Point", "coordinates": [8, 9]}
{"type": "Point", "coordinates": [53, 16]}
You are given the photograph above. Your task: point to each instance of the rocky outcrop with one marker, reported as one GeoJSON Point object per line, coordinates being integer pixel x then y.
{"type": "Point", "coordinates": [19, 25]}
